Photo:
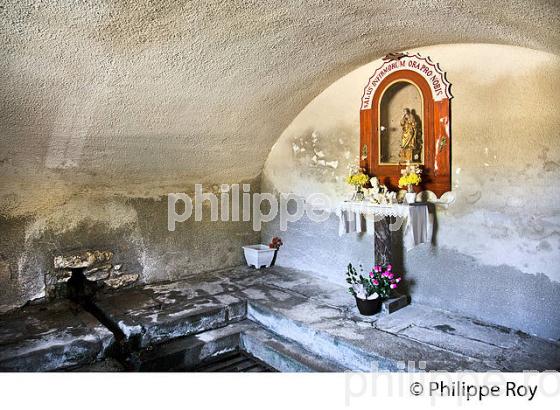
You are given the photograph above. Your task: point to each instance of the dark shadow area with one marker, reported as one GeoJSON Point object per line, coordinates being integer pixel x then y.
{"type": "Point", "coordinates": [82, 292]}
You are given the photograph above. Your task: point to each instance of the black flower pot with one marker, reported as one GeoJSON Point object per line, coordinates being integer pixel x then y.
{"type": "Point", "coordinates": [368, 307]}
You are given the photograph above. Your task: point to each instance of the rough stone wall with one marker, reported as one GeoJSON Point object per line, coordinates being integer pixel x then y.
{"type": "Point", "coordinates": [497, 252]}
{"type": "Point", "coordinates": [135, 230]}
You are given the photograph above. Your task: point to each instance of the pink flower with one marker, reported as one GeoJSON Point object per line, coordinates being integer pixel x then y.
{"type": "Point", "coordinates": [390, 275]}
{"type": "Point", "coordinates": [393, 285]}
{"type": "Point", "coordinates": [398, 280]}
{"type": "Point", "coordinates": [377, 268]}
{"type": "Point", "coordinates": [371, 274]}
{"type": "Point", "coordinates": [375, 282]}
{"type": "Point", "coordinates": [389, 267]}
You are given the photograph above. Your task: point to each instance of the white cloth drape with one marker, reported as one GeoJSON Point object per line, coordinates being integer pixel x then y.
{"type": "Point", "coordinates": [415, 220]}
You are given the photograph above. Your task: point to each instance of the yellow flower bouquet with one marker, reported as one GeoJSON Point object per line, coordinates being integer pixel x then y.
{"type": "Point", "coordinates": [359, 179]}
{"type": "Point", "coordinates": [409, 180]}
{"type": "Point", "coordinates": [410, 176]}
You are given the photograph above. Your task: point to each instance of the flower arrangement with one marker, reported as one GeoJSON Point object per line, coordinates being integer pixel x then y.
{"type": "Point", "coordinates": [275, 243]}
{"type": "Point", "coordinates": [378, 284]}
{"type": "Point", "coordinates": [410, 176]}
{"type": "Point", "coordinates": [409, 179]}
{"type": "Point", "coordinates": [359, 178]}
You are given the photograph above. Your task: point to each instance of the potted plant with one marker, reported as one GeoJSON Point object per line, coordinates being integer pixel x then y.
{"type": "Point", "coordinates": [357, 178]}
{"type": "Point", "coordinates": [371, 290]}
{"type": "Point", "coordinates": [410, 176]}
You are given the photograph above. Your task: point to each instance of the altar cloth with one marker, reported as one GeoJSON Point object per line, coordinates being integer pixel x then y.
{"type": "Point", "coordinates": [416, 220]}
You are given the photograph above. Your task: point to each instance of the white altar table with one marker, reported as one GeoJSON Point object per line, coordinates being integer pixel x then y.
{"type": "Point", "coordinates": [380, 220]}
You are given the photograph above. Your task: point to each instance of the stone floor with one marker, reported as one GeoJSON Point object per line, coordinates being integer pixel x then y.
{"type": "Point", "coordinates": [289, 319]}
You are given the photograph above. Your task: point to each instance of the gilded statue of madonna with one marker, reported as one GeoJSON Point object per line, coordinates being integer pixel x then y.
{"type": "Point", "coordinates": [411, 145]}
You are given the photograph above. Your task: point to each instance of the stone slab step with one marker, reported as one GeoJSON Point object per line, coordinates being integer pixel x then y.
{"type": "Point", "coordinates": [335, 335]}
{"type": "Point", "coordinates": [55, 336]}
{"type": "Point", "coordinates": [145, 320]}
{"type": "Point", "coordinates": [188, 353]}
{"type": "Point", "coordinates": [284, 355]}
{"type": "Point", "coordinates": [500, 347]}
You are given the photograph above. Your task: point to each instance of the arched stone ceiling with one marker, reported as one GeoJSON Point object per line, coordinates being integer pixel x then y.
{"type": "Point", "coordinates": [141, 97]}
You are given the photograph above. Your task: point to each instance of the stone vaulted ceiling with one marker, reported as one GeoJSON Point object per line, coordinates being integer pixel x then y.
{"type": "Point", "coordinates": [139, 97]}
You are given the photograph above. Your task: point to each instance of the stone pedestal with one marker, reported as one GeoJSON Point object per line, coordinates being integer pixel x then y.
{"type": "Point", "coordinates": [394, 303]}
{"type": "Point", "coordinates": [382, 241]}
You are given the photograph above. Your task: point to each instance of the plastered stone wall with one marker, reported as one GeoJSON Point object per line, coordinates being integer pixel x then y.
{"type": "Point", "coordinates": [134, 229]}
{"type": "Point", "coordinates": [497, 247]}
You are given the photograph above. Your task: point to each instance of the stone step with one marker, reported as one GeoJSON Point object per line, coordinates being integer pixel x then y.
{"type": "Point", "coordinates": [282, 354]}
{"type": "Point", "coordinates": [321, 344]}
{"type": "Point", "coordinates": [333, 334]}
{"type": "Point", "coordinates": [187, 353]}
{"type": "Point", "coordinates": [55, 336]}
{"type": "Point", "coordinates": [145, 321]}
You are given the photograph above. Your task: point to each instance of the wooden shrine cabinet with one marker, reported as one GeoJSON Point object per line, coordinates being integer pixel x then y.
{"type": "Point", "coordinates": [405, 89]}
